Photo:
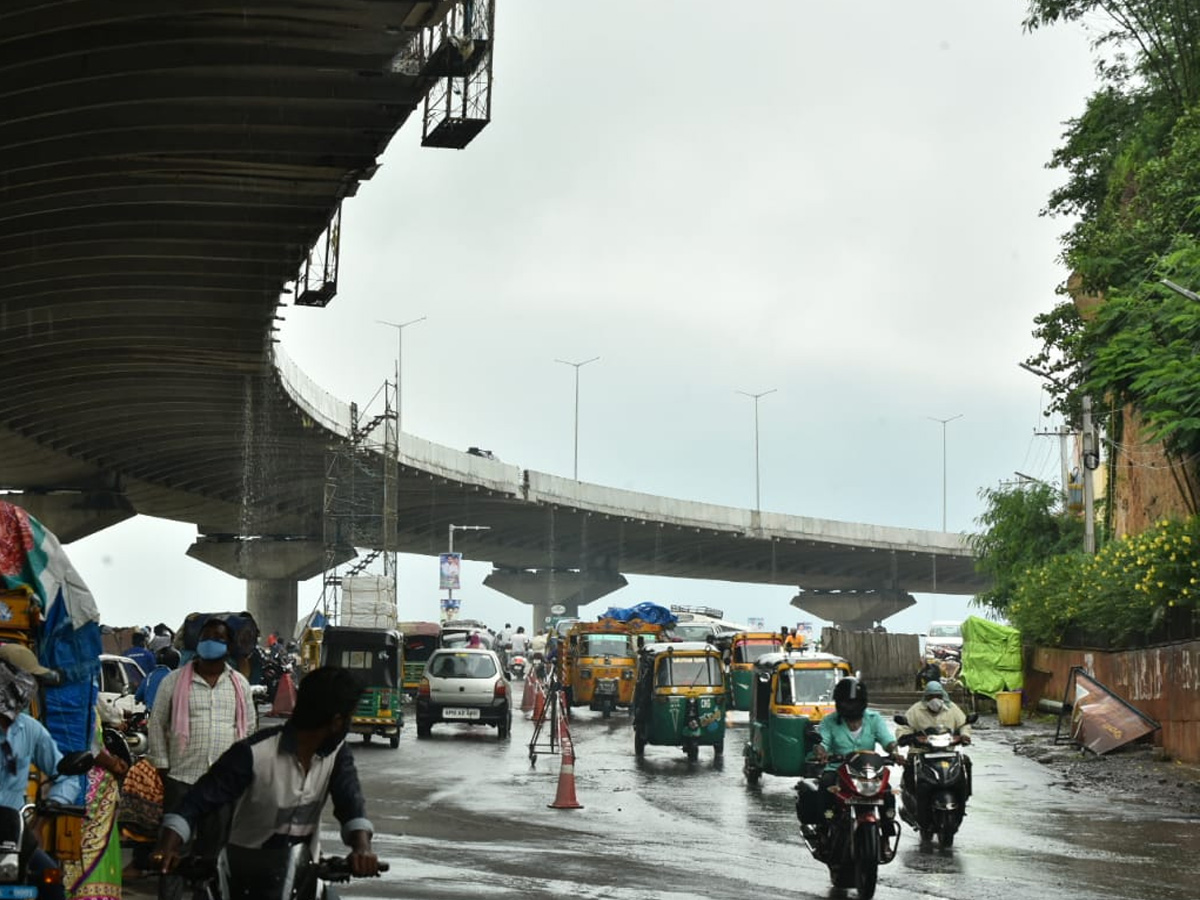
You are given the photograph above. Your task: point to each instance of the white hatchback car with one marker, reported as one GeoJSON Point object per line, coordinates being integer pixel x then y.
{"type": "Point", "coordinates": [465, 685]}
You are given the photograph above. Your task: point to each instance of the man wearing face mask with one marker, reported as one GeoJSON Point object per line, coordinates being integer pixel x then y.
{"type": "Point", "coordinates": [277, 782]}
{"type": "Point", "coordinates": [200, 710]}
{"type": "Point", "coordinates": [932, 710]}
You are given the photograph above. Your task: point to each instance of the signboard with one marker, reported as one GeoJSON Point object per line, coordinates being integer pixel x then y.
{"type": "Point", "coordinates": [1100, 720]}
{"type": "Point", "coordinates": [449, 565]}
{"type": "Point", "coordinates": [557, 609]}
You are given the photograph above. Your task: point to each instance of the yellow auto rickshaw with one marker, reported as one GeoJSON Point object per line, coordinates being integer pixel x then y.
{"type": "Point", "coordinates": [598, 663]}
{"type": "Point", "coordinates": [745, 648]}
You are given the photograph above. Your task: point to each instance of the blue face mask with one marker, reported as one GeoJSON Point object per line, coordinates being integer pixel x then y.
{"type": "Point", "coordinates": [211, 650]}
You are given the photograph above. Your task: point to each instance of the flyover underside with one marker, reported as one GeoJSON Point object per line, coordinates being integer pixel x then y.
{"type": "Point", "coordinates": [167, 167]}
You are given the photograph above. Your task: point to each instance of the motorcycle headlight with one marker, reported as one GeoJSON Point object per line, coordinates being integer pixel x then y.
{"type": "Point", "coordinates": [869, 787]}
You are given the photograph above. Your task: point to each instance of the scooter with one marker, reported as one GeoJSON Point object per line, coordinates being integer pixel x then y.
{"type": "Point", "coordinates": [300, 877]}
{"type": "Point", "coordinates": [936, 783]}
{"type": "Point", "coordinates": [517, 664]}
{"type": "Point", "coordinates": [17, 881]}
{"type": "Point", "coordinates": [859, 833]}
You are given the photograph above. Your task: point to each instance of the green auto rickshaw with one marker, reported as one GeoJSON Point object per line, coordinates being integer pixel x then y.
{"type": "Point", "coordinates": [679, 698]}
{"type": "Point", "coordinates": [375, 656]}
{"type": "Point", "coordinates": [745, 648]}
{"type": "Point", "coordinates": [792, 692]}
{"type": "Point", "coordinates": [420, 640]}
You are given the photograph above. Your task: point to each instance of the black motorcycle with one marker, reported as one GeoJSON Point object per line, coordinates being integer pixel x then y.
{"type": "Point", "coordinates": [297, 876]}
{"type": "Point", "coordinates": [937, 781]}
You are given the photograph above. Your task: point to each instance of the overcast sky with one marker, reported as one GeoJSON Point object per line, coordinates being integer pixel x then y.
{"type": "Point", "coordinates": [837, 201]}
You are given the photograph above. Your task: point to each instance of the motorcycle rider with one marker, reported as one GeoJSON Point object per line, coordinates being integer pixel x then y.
{"type": "Point", "coordinates": [851, 727]}
{"type": "Point", "coordinates": [934, 709]}
{"type": "Point", "coordinates": [278, 780]}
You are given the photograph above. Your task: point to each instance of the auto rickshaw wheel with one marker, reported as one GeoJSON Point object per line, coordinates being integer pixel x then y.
{"type": "Point", "coordinates": [394, 740]}
{"type": "Point", "coordinates": [752, 772]}
{"type": "Point", "coordinates": [367, 738]}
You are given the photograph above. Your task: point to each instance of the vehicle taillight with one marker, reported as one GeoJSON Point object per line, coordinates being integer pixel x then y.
{"type": "Point", "coordinates": [51, 876]}
{"type": "Point", "coordinates": [501, 690]}
{"type": "Point", "coordinates": [423, 688]}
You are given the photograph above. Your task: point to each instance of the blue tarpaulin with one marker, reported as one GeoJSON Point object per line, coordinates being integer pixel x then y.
{"type": "Point", "coordinates": [647, 612]}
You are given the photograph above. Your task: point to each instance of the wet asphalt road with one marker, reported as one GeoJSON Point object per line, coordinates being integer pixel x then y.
{"type": "Point", "coordinates": [461, 814]}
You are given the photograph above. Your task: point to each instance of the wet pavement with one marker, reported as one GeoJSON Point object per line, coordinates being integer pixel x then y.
{"type": "Point", "coordinates": [464, 815]}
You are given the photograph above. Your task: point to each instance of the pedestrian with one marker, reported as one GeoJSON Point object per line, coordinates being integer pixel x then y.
{"type": "Point", "coordinates": [162, 637]}
{"type": "Point", "coordinates": [520, 642]}
{"type": "Point", "coordinates": [139, 653]}
{"type": "Point", "coordinates": [206, 707]}
{"type": "Point", "coordinates": [166, 661]}
{"type": "Point", "coordinates": [475, 640]}
{"type": "Point", "coordinates": [277, 782]}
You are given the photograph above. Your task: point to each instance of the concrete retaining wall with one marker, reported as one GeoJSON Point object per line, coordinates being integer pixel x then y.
{"type": "Point", "coordinates": [1162, 682]}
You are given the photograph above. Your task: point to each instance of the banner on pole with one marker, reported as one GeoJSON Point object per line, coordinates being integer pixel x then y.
{"type": "Point", "coordinates": [450, 565]}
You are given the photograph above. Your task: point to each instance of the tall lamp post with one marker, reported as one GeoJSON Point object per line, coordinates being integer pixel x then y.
{"type": "Point", "coordinates": [450, 552]}
{"type": "Point", "coordinates": [756, 398]}
{"type": "Point", "coordinates": [577, 366]}
{"type": "Point", "coordinates": [944, 423]}
{"type": "Point", "coordinates": [399, 326]}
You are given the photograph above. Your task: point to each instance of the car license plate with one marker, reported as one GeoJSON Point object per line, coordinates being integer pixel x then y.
{"type": "Point", "coordinates": [18, 891]}
{"type": "Point", "coordinates": [456, 713]}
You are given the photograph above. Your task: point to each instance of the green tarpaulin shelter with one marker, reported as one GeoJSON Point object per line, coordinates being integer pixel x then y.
{"type": "Point", "coordinates": [991, 657]}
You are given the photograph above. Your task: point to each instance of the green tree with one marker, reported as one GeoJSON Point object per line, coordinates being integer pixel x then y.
{"type": "Point", "coordinates": [1021, 528]}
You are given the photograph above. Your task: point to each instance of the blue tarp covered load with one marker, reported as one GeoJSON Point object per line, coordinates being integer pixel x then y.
{"type": "Point", "coordinates": [647, 612]}
{"type": "Point", "coordinates": [69, 636]}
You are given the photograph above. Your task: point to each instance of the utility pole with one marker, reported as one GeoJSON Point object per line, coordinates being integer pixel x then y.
{"type": "Point", "coordinates": [450, 545]}
{"type": "Point", "coordinates": [756, 398]}
{"type": "Point", "coordinates": [1091, 459]}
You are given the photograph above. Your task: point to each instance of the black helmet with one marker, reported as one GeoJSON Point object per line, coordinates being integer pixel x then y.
{"type": "Point", "coordinates": [850, 698]}
{"type": "Point", "coordinates": [167, 656]}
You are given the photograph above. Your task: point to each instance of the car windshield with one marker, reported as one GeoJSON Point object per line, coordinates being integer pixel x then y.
{"type": "Point", "coordinates": [462, 665]}
{"type": "Point", "coordinates": [807, 686]}
{"type": "Point", "coordinates": [945, 631]}
{"type": "Point", "coordinates": [749, 651]}
{"type": "Point", "coordinates": [682, 671]}
{"type": "Point", "coordinates": [692, 632]}
{"type": "Point", "coordinates": [605, 645]}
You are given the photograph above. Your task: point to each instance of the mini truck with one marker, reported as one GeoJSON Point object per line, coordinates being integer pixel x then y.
{"type": "Point", "coordinates": [375, 656]}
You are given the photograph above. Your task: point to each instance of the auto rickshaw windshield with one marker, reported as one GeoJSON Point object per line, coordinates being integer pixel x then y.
{"type": "Point", "coordinates": [684, 671]}
{"type": "Point", "coordinates": [807, 686]}
{"type": "Point", "coordinates": [749, 651]}
{"type": "Point", "coordinates": [606, 645]}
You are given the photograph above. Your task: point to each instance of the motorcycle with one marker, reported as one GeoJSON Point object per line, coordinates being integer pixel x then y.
{"type": "Point", "coordinates": [299, 878]}
{"type": "Point", "coordinates": [17, 879]}
{"type": "Point", "coordinates": [936, 783]}
{"type": "Point", "coordinates": [859, 832]}
{"type": "Point", "coordinates": [517, 664]}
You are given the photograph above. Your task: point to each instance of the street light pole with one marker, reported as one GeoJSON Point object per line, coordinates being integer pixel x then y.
{"type": "Point", "coordinates": [399, 358]}
{"type": "Point", "coordinates": [944, 422]}
{"type": "Point", "coordinates": [756, 398]}
{"type": "Point", "coordinates": [450, 542]}
{"type": "Point", "coordinates": [577, 366]}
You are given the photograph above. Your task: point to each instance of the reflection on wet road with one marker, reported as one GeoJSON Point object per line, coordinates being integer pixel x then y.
{"type": "Point", "coordinates": [461, 814]}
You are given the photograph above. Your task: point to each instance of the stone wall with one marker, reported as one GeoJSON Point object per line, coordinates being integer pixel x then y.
{"type": "Point", "coordinates": [1144, 486]}
{"type": "Point", "coordinates": [1161, 682]}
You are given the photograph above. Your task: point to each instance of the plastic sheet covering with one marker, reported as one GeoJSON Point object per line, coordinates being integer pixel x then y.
{"type": "Point", "coordinates": [991, 657]}
{"type": "Point", "coordinates": [651, 613]}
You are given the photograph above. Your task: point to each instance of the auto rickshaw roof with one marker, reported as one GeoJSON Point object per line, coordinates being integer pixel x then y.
{"type": "Point", "coordinates": [757, 636]}
{"type": "Point", "coordinates": [800, 660]}
{"type": "Point", "coordinates": [360, 637]}
{"type": "Point", "coordinates": [603, 626]}
{"type": "Point", "coordinates": [412, 629]}
{"type": "Point", "coordinates": [680, 648]}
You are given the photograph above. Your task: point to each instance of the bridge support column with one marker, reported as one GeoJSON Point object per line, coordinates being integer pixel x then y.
{"type": "Point", "coordinates": [272, 569]}
{"type": "Point", "coordinates": [546, 589]}
{"type": "Point", "coordinates": [854, 610]}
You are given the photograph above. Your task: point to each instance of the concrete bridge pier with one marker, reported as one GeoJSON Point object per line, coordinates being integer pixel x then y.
{"type": "Point", "coordinates": [854, 610]}
{"type": "Point", "coordinates": [272, 569]}
{"type": "Point", "coordinates": [545, 589]}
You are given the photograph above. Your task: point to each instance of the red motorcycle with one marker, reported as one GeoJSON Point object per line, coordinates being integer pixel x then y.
{"type": "Point", "coordinates": [856, 831]}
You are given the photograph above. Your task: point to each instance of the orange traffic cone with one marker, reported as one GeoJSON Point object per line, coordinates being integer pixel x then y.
{"type": "Point", "coordinates": [527, 694]}
{"type": "Point", "coordinates": [285, 697]}
{"type": "Point", "coordinates": [565, 798]}
{"type": "Point", "coordinates": [539, 702]}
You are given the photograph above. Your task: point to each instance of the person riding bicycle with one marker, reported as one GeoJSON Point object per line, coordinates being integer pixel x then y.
{"type": "Point", "coordinates": [278, 780]}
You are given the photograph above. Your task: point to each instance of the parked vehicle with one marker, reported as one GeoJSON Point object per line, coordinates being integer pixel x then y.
{"type": "Point", "coordinates": [862, 834]}
{"type": "Point", "coordinates": [119, 678]}
{"type": "Point", "coordinates": [937, 781]}
{"type": "Point", "coordinates": [375, 656]}
{"type": "Point", "coordinates": [944, 635]}
{"type": "Point", "coordinates": [304, 878]}
{"type": "Point", "coordinates": [465, 685]}
{"type": "Point", "coordinates": [598, 665]}
{"type": "Point", "coordinates": [420, 640]}
{"type": "Point", "coordinates": [680, 698]}
{"type": "Point", "coordinates": [792, 692]}
{"type": "Point", "coordinates": [745, 648]}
